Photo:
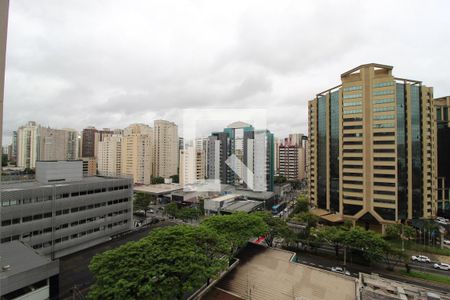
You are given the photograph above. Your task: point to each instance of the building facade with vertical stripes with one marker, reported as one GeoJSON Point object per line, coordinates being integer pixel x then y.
{"type": "Point", "coordinates": [372, 148]}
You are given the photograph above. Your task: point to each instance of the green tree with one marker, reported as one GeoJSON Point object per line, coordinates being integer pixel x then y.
{"type": "Point", "coordinates": [333, 235]}
{"type": "Point", "coordinates": [302, 205]}
{"type": "Point", "coordinates": [307, 218]}
{"type": "Point", "coordinates": [175, 178]}
{"type": "Point", "coordinates": [172, 209]}
{"type": "Point", "coordinates": [156, 180]}
{"type": "Point", "coordinates": [141, 202]}
{"type": "Point", "coordinates": [400, 231]}
{"type": "Point", "coordinates": [277, 227]}
{"type": "Point", "coordinates": [188, 213]}
{"type": "Point", "coordinates": [369, 243]}
{"type": "Point", "coordinates": [167, 264]}
{"type": "Point", "coordinates": [279, 179]}
{"type": "Point", "coordinates": [237, 228]}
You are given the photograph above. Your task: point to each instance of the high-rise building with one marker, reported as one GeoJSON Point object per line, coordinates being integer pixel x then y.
{"type": "Point", "coordinates": [291, 162]}
{"type": "Point", "coordinates": [12, 153]}
{"type": "Point", "coordinates": [137, 153]}
{"type": "Point", "coordinates": [373, 148]}
{"type": "Point", "coordinates": [192, 165]}
{"type": "Point", "coordinates": [276, 154]}
{"type": "Point", "coordinates": [442, 106]}
{"type": "Point", "coordinates": [27, 145]}
{"type": "Point", "coordinates": [90, 139]}
{"type": "Point", "coordinates": [242, 156]}
{"type": "Point", "coordinates": [57, 144]}
{"type": "Point", "coordinates": [166, 148]}
{"type": "Point", "coordinates": [110, 155]}
{"type": "Point", "coordinates": [34, 142]}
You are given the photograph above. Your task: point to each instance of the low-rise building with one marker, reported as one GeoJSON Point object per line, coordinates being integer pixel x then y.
{"type": "Point", "coordinates": [25, 274]}
{"type": "Point", "coordinates": [63, 212]}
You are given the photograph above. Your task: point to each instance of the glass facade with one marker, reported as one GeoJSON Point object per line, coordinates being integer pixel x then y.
{"type": "Point", "coordinates": [402, 171]}
{"type": "Point", "coordinates": [383, 92]}
{"type": "Point", "coordinates": [334, 151]}
{"type": "Point", "coordinates": [322, 152]}
{"type": "Point", "coordinates": [416, 138]}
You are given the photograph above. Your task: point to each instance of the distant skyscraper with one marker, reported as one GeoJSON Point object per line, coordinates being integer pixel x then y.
{"type": "Point", "coordinates": [57, 144]}
{"type": "Point", "coordinates": [110, 155]}
{"type": "Point", "coordinates": [27, 145]}
{"type": "Point", "coordinates": [137, 153]}
{"type": "Point", "coordinates": [253, 148]}
{"type": "Point", "coordinates": [442, 106]}
{"type": "Point", "coordinates": [13, 152]}
{"type": "Point", "coordinates": [292, 158]}
{"type": "Point", "coordinates": [192, 165]}
{"type": "Point", "coordinates": [373, 148]}
{"type": "Point", "coordinates": [166, 148]}
{"type": "Point", "coordinates": [90, 139]}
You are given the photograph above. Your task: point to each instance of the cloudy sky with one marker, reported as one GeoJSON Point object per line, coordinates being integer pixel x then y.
{"type": "Point", "coordinates": [109, 63]}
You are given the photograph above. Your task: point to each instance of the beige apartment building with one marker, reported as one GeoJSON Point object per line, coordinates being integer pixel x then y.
{"type": "Point", "coordinates": [109, 155]}
{"type": "Point", "coordinates": [192, 165]}
{"type": "Point", "coordinates": [35, 142]}
{"type": "Point", "coordinates": [372, 152]}
{"type": "Point", "coordinates": [137, 153]}
{"type": "Point", "coordinates": [166, 148]}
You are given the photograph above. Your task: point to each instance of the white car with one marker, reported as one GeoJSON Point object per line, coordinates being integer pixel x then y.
{"type": "Point", "coordinates": [340, 270]}
{"type": "Point", "coordinates": [442, 266]}
{"type": "Point", "coordinates": [421, 258]}
{"type": "Point", "coordinates": [447, 242]}
{"type": "Point", "coordinates": [442, 222]}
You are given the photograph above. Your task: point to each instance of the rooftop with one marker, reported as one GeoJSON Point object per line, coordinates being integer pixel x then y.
{"type": "Point", "coordinates": [239, 124]}
{"type": "Point", "coordinates": [158, 189]}
{"type": "Point", "coordinates": [244, 206]}
{"type": "Point", "coordinates": [29, 185]}
{"type": "Point", "coordinates": [22, 266]}
{"type": "Point", "coordinates": [266, 273]}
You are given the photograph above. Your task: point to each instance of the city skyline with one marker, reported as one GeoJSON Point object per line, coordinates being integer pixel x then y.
{"type": "Point", "coordinates": [223, 59]}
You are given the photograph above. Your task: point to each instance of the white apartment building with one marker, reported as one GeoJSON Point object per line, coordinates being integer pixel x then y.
{"type": "Point", "coordinates": [27, 141]}
{"type": "Point", "coordinates": [109, 155]}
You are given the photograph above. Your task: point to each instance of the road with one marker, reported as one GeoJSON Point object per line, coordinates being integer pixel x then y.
{"type": "Point", "coordinates": [74, 268]}
{"type": "Point", "coordinates": [327, 263]}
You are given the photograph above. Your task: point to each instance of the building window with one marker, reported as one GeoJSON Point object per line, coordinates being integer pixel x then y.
{"type": "Point", "coordinates": [383, 92]}
{"type": "Point", "coordinates": [353, 88]}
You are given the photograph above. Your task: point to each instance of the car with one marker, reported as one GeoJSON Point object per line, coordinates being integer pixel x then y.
{"type": "Point", "coordinates": [340, 270]}
{"type": "Point", "coordinates": [442, 266]}
{"type": "Point", "coordinates": [442, 222]}
{"type": "Point", "coordinates": [447, 242]}
{"type": "Point", "coordinates": [151, 211]}
{"type": "Point", "coordinates": [421, 258]}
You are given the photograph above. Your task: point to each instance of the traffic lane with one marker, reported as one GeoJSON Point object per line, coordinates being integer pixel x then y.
{"type": "Point", "coordinates": [326, 263]}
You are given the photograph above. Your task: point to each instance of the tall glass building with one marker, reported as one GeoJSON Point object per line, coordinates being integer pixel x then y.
{"type": "Point", "coordinates": [242, 156]}
{"type": "Point", "coordinates": [372, 153]}
{"type": "Point", "coordinates": [443, 144]}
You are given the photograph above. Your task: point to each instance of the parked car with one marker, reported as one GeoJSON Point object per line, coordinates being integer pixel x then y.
{"type": "Point", "coordinates": [151, 211]}
{"type": "Point", "coordinates": [447, 242]}
{"type": "Point", "coordinates": [340, 270]}
{"type": "Point", "coordinates": [442, 266]}
{"type": "Point", "coordinates": [421, 258]}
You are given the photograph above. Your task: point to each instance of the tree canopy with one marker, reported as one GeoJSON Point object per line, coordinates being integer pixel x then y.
{"type": "Point", "coordinates": [141, 202]}
{"type": "Point", "coordinates": [157, 180]}
{"type": "Point", "coordinates": [167, 264]}
{"type": "Point", "coordinates": [237, 228]}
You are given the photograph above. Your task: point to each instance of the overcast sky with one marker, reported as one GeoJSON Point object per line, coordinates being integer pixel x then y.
{"type": "Point", "coordinates": [107, 63]}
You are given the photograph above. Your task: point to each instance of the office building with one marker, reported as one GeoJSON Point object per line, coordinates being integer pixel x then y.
{"type": "Point", "coordinates": [373, 148]}
{"type": "Point", "coordinates": [63, 212]}
{"type": "Point", "coordinates": [110, 155]}
{"type": "Point", "coordinates": [443, 159]}
{"type": "Point", "coordinates": [12, 148]}
{"type": "Point", "coordinates": [137, 153]}
{"type": "Point", "coordinates": [90, 139]}
{"type": "Point", "coordinates": [166, 148]}
{"type": "Point", "coordinates": [242, 156]}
